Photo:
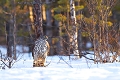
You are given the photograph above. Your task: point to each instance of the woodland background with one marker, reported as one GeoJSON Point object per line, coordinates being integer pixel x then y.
{"type": "Point", "coordinates": [16, 20]}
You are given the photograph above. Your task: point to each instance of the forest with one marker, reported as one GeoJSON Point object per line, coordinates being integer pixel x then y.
{"type": "Point", "coordinates": [95, 26]}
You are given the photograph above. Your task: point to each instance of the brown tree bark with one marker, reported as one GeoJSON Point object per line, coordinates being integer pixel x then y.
{"type": "Point", "coordinates": [37, 14]}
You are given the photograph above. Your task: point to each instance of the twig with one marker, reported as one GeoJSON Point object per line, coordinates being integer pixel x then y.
{"type": "Point", "coordinates": [49, 62]}
{"type": "Point", "coordinates": [4, 63]}
{"type": "Point", "coordinates": [88, 58]}
{"type": "Point", "coordinates": [64, 61]}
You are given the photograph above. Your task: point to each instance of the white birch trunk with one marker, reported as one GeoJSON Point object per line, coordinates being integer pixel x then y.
{"type": "Point", "coordinates": [74, 33]}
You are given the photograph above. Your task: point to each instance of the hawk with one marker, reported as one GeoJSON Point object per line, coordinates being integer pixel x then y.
{"type": "Point", "coordinates": [40, 51]}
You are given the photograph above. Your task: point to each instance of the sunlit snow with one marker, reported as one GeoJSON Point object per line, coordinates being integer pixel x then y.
{"type": "Point", "coordinates": [60, 69]}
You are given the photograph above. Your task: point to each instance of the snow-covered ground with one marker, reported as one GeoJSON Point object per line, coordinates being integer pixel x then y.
{"type": "Point", "coordinates": [60, 68]}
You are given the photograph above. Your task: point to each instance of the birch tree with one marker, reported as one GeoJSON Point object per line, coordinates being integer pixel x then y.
{"type": "Point", "coordinates": [69, 25]}
{"type": "Point", "coordinates": [74, 29]}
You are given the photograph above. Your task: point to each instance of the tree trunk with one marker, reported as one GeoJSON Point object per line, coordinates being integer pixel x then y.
{"type": "Point", "coordinates": [74, 29]}
{"type": "Point", "coordinates": [60, 46]}
{"type": "Point", "coordinates": [14, 31]}
{"type": "Point", "coordinates": [49, 25]}
{"type": "Point", "coordinates": [37, 14]}
{"type": "Point", "coordinates": [80, 41]}
{"type": "Point", "coordinates": [8, 39]}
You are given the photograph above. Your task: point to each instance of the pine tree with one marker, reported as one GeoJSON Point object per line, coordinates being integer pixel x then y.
{"type": "Point", "coordinates": [9, 10]}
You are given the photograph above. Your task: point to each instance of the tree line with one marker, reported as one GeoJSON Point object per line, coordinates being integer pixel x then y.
{"type": "Point", "coordinates": [97, 22]}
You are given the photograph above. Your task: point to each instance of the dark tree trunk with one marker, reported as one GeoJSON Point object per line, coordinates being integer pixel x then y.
{"type": "Point", "coordinates": [14, 30]}
{"type": "Point", "coordinates": [49, 25]}
{"type": "Point", "coordinates": [80, 42]}
{"type": "Point", "coordinates": [8, 39]}
{"type": "Point", "coordinates": [37, 14]}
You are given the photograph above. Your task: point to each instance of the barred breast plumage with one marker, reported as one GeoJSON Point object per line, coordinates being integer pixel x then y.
{"type": "Point", "coordinates": [40, 51]}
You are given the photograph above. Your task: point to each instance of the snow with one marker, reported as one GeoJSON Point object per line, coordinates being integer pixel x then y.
{"type": "Point", "coordinates": [60, 68]}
